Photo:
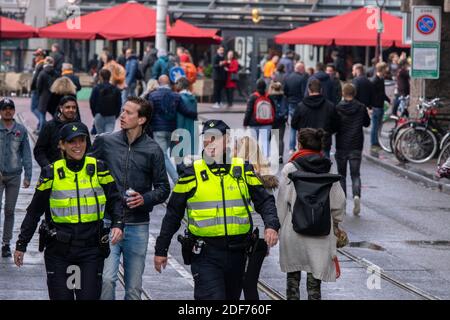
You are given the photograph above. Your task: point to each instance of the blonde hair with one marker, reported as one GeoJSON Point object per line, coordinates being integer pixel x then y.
{"type": "Point", "coordinates": [152, 85]}
{"type": "Point", "coordinates": [275, 88]}
{"type": "Point", "coordinates": [248, 149]}
{"type": "Point", "coordinates": [63, 86]}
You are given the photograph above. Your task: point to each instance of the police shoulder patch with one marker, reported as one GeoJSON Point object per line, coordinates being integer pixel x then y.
{"type": "Point", "coordinates": [47, 172]}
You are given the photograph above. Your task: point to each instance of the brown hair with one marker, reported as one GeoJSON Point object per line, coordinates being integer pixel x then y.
{"type": "Point", "coordinates": [311, 139]}
{"type": "Point", "coordinates": [105, 74]}
{"type": "Point", "coordinates": [314, 86]}
{"type": "Point", "coordinates": [349, 90]}
{"type": "Point", "coordinates": [145, 110]}
{"type": "Point", "coordinates": [381, 66]}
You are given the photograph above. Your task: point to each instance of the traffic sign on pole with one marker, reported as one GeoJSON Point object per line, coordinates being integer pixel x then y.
{"type": "Point", "coordinates": [426, 24]}
{"type": "Point", "coordinates": [426, 38]}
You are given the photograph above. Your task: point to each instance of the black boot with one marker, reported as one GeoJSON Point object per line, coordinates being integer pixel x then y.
{"type": "Point", "coordinates": [6, 251]}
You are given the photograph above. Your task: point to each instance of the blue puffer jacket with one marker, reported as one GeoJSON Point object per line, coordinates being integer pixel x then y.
{"type": "Point", "coordinates": [166, 105]}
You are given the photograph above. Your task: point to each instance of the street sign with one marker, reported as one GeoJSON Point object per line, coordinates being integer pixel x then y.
{"type": "Point", "coordinates": [426, 24]}
{"type": "Point", "coordinates": [425, 60]}
{"type": "Point", "coordinates": [175, 73]}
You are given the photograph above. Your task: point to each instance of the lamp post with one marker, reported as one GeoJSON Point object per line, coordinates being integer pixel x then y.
{"type": "Point", "coordinates": [380, 29]}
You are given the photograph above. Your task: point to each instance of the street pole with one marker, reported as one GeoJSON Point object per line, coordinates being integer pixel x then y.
{"type": "Point", "coordinates": [380, 29]}
{"type": "Point", "coordinates": [161, 13]}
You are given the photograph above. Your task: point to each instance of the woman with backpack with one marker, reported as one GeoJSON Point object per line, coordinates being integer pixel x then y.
{"type": "Point", "coordinates": [260, 116]}
{"type": "Point", "coordinates": [316, 255]}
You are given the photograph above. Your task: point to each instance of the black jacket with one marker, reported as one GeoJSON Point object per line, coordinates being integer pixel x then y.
{"type": "Point", "coordinates": [139, 165]}
{"type": "Point", "coordinates": [58, 58]}
{"type": "Point", "coordinates": [353, 116]}
{"type": "Point", "coordinates": [219, 72]}
{"type": "Point", "coordinates": [295, 87]}
{"type": "Point", "coordinates": [46, 150]}
{"type": "Point", "coordinates": [379, 92]}
{"type": "Point", "coordinates": [75, 80]}
{"type": "Point", "coordinates": [364, 90]}
{"type": "Point", "coordinates": [78, 231]}
{"type": "Point", "coordinates": [318, 113]}
{"type": "Point", "coordinates": [337, 89]}
{"type": "Point", "coordinates": [264, 204]}
{"type": "Point", "coordinates": [45, 80]}
{"type": "Point", "coordinates": [403, 82]}
{"type": "Point", "coordinates": [37, 70]}
{"type": "Point", "coordinates": [249, 117]}
{"type": "Point", "coordinates": [326, 84]}
{"type": "Point", "coordinates": [105, 99]}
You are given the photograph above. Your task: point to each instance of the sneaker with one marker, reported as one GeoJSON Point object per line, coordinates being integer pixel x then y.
{"type": "Point", "coordinates": [221, 105]}
{"type": "Point", "coordinates": [216, 106]}
{"type": "Point", "coordinates": [356, 205]}
{"type": "Point", "coordinates": [291, 152]}
{"type": "Point", "coordinates": [6, 251]}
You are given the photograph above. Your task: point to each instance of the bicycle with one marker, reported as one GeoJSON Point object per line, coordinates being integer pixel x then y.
{"type": "Point", "coordinates": [387, 131]}
{"type": "Point", "coordinates": [419, 142]}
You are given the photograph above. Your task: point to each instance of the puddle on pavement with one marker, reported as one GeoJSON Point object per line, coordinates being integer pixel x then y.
{"type": "Point", "coordinates": [366, 245]}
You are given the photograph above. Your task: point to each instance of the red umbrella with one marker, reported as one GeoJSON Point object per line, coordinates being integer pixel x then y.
{"type": "Point", "coordinates": [124, 21]}
{"type": "Point", "coordinates": [356, 28]}
{"type": "Point", "coordinates": [12, 29]}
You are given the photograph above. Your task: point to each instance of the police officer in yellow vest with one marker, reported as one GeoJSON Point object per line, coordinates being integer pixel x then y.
{"type": "Point", "coordinates": [77, 192]}
{"type": "Point", "coordinates": [217, 193]}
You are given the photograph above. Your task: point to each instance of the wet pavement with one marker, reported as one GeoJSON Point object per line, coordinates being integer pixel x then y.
{"type": "Point", "coordinates": [403, 229]}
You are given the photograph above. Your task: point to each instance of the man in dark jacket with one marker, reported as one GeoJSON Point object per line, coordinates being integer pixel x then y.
{"type": "Point", "coordinates": [219, 268]}
{"type": "Point", "coordinates": [46, 150]}
{"type": "Point", "coordinates": [353, 116]}
{"type": "Point", "coordinates": [39, 66]}
{"type": "Point", "coordinates": [219, 76]}
{"type": "Point", "coordinates": [403, 83]}
{"type": "Point", "coordinates": [295, 86]}
{"type": "Point", "coordinates": [337, 87]}
{"type": "Point", "coordinates": [105, 102]}
{"type": "Point", "coordinates": [167, 104]}
{"type": "Point", "coordinates": [148, 61]}
{"type": "Point", "coordinates": [379, 98]}
{"type": "Point", "coordinates": [137, 164]}
{"type": "Point", "coordinates": [325, 83]}
{"type": "Point", "coordinates": [364, 88]}
{"type": "Point", "coordinates": [44, 82]}
{"type": "Point", "coordinates": [58, 58]}
{"type": "Point", "coordinates": [316, 112]}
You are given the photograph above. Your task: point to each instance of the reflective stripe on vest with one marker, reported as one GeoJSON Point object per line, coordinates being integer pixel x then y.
{"type": "Point", "coordinates": [207, 216]}
{"type": "Point", "coordinates": [67, 205]}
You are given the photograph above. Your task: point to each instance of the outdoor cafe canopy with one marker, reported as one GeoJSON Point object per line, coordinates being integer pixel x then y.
{"type": "Point", "coordinates": [11, 29]}
{"type": "Point", "coordinates": [356, 28]}
{"type": "Point", "coordinates": [123, 22]}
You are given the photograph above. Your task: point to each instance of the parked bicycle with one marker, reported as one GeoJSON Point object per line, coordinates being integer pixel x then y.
{"type": "Point", "coordinates": [391, 123]}
{"type": "Point", "coordinates": [419, 141]}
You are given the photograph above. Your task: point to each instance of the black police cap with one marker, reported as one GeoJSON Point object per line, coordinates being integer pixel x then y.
{"type": "Point", "coordinates": [6, 102]}
{"type": "Point", "coordinates": [215, 124]}
{"type": "Point", "coordinates": [73, 130]}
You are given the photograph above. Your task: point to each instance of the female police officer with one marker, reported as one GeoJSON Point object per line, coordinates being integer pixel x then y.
{"type": "Point", "coordinates": [76, 193]}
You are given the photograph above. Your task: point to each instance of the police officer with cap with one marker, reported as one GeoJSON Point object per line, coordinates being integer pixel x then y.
{"type": "Point", "coordinates": [220, 194]}
{"type": "Point", "coordinates": [79, 192]}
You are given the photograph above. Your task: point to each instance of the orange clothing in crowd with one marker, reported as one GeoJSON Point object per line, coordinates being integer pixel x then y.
{"type": "Point", "coordinates": [118, 74]}
{"type": "Point", "coordinates": [269, 69]}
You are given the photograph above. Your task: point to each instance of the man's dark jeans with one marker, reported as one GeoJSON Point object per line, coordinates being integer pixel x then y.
{"type": "Point", "coordinates": [354, 158]}
{"type": "Point", "coordinates": [219, 86]}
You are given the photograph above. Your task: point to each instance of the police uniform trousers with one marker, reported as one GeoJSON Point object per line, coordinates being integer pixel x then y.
{"type": "Point", "coordinates": [73, 272]}
{"type": "Point", "coordinates": [218, 273]}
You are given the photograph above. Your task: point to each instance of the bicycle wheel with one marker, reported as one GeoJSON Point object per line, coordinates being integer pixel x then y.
{"type": "Point", "coordinates": [444, 155]}
{"type": "Point", "coordinates": [417, 145]}
{"type": "Point", "coordinates": [394, 141]}
{"type": "Point", "coordinates": [385, 133]}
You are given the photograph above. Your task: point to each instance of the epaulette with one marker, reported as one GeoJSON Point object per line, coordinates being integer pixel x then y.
{"type": "Point", "coordinates": [47, 172]}
{"type": "Point", "coordinates": [101, 166]}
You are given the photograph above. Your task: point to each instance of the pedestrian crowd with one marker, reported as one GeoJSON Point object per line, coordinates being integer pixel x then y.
{"type": "Point", "coordinates": [97, 196]}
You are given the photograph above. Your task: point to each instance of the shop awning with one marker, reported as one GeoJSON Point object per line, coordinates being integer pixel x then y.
{"type": "Point", "coordinates": [125, 21]}
{"type": "Point", "coordinates": [12, 29]}
{"type": "Point", "coordinates": [356, 28]}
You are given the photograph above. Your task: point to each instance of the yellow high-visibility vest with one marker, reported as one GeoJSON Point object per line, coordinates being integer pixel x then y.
{"type": "Point", "coordinates": [76, 196]}
{"type": "Point", "coordinates": [218, 208]}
